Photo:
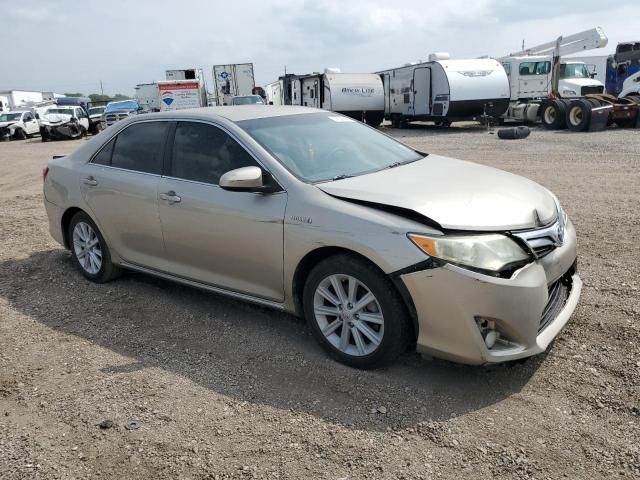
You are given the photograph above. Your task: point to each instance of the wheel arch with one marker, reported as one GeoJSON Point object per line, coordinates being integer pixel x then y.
{"type": "Point", "coordinates": [65, 221]}
{"type": "Point", "coordinates": [314, 257]}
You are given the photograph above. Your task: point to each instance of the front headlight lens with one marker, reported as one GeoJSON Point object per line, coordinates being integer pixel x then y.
{"type": "Point", "coordinates": [491, 252]}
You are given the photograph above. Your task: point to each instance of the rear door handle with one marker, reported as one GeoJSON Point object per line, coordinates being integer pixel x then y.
{"type": "Point", "coordinates": [170, 197]}
{"type": "Point", "coordinates": [91, 181]}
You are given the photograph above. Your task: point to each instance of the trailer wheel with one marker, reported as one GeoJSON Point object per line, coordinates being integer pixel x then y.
{"type": "Point", "coordinates": [396, 121]}
{"type": "Point", "coordinates": [553, 114]}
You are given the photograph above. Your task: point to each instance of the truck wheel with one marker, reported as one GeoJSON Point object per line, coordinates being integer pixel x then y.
{"type": "Point", "coordinates": [553, 114]}
{"type": "Point", "coordinates": [579, 114]}
{"type": "Point", "coordinates": [20, 134]}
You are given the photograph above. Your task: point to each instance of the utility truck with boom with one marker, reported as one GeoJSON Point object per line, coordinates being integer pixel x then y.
{"type": "Point", "coordinates": [531, 76]}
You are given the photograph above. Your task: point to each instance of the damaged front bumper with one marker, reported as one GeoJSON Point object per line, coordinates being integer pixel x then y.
{"type": "Point", "coordinates": [456, 308]}
{"type": "Point", "coordinates": [61, 131]}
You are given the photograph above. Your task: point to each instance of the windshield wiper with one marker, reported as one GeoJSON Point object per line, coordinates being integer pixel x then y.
{"type": "Point", "coordinates": [341, 177]}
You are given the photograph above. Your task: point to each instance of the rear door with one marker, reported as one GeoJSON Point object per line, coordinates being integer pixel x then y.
{"type": "Point", "coordinates": [120, 185]}
{"type": "Point", "coordinates": [30, 123]}
{"type": "Point", "coordinates": [232, 240]}
{"type": "Point", "coordinates": [421, 91]}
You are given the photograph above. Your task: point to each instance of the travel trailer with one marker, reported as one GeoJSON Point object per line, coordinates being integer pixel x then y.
{"type": "Point", "coordinates": [357, 95]}
{"type": "Point", "coordinates": [444, 91]}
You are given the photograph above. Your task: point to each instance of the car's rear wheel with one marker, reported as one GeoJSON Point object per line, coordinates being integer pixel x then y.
{"type": "Point", "coordinates": [89, 250]}
{"type": "Point", "coordinates": [355, 312]}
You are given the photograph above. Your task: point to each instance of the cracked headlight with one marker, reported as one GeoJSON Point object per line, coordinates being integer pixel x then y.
{"type": "Point", "coordinates": [491, 253]}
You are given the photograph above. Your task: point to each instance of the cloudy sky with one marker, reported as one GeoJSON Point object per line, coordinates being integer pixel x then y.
{"type": "Point", "coordinates": [69, 46]}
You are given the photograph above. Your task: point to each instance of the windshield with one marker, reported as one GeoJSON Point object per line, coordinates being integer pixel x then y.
{"type": "Point", "coordinates": [324, 146]}
{"type": "Point", "coordinates": [10, 117]}
{"type": "Point", "coordinates": [62, 111]}
{"type": "Point", "coordinates": [251, 100]}
{"type": "Point", "coordinates": [96, 110]}
{"type": "Point", "coordinates": [574, 70]}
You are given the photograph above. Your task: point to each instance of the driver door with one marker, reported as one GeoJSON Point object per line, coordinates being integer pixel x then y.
{"type": "Point", "coordinates": [30, 124]}
{"type": "Point", "coordinates": [232, 240]}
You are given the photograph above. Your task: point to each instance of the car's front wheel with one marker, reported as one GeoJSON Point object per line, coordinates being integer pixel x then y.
{"type": "Point", "coordinates": [355, 312]}
{"type": "Point", "coordinates": [89, 250]}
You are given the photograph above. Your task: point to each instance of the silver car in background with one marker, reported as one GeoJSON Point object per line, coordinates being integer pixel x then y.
{"type": "Point", "coordinates": [377, 245]}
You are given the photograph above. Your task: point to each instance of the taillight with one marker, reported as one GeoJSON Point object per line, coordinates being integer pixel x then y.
{"type": "Point", "coordinates": [45, 172]}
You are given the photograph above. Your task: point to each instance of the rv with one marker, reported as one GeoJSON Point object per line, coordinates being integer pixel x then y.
{"type": "Point", "coordinates": [445, 91]}
{"type": "Point", "coordinates": [357, 95]}
{"type": "Point", "coordinates": [232, 80]}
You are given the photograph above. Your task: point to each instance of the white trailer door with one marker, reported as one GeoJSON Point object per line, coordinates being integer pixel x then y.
{"type": "Point", "coordinates": [421, 91]}
{"type": "Point", "coordinates": [386, 80]}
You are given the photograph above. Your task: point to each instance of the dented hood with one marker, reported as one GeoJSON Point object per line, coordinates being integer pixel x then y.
{"type": "Point", "coordinates": [55, 118]}
{"type": "Point", "coordinates": [458, 195]}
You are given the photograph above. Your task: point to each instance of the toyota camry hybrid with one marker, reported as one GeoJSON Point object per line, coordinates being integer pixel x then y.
{"type": "Point", "coordinates": [377, 245]}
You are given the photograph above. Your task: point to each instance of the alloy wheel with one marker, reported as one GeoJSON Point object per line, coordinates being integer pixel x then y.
{"type": "Point", "coordinates": [348, 314]}
{"type": "Point", "coordinates": [86, 246]}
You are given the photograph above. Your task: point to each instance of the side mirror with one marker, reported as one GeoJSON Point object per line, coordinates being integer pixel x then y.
{"type": "Point", "coordinates": [245, 179]}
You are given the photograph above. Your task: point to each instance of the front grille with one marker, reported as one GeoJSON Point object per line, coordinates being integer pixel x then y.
{"type": "Point", "coordinates": [112, 118]}
{"type": "Point", "coordinates": [545, 240]}
{"type": "Point", "coordinates": [594, 89]}
{"type": "Point", "coordinates": [558, 295]}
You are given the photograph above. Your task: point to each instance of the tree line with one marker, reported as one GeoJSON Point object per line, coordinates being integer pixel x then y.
{"type": "Point", "coordinates": [97, 97]}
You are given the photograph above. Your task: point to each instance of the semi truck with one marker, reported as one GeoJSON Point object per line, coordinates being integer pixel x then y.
{"type": "Point", "coordinates": [232, 80]}
{"type": "Point", "coordinates": [442, 90]}
{"type": "Point", "coordinates": [531, 75]}
{"type": "Point", "coordinates": [623, 70]}
{"type": "Point", "coordinates": [356, 95]}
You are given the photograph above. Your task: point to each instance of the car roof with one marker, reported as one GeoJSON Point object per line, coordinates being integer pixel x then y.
{"type": "Point", "coordinates": [237, 113]}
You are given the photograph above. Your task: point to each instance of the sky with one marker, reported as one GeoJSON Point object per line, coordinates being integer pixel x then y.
{"type": "Point", "coordinates": [70, 46]}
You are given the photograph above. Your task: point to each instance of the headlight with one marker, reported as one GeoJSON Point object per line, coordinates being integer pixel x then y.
{"type": "Point", "coordinates": [491, 252]}
{"type": "Point", "coordinates": [568, 93]}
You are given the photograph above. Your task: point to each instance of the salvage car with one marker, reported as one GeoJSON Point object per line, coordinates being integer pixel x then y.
{"type": "Point", "coordinates": [377, 245]}
{"type": "Point", "coordinates": [96, 125]}
{"type": "Point", "coordinates": [64, 122]}
{"type": "Point", "coordinates": [18, 125]}
{"type": "Point", "coordinates": [119, 110]}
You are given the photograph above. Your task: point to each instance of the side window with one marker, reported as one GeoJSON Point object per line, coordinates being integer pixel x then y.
{"type": "Point", "coordinates": [507, 68]}
{"type": "Point", "coordinates": [543, 68]}
{"type": "Point", "coordinates": [528, 68]}
{"type": "Point", "coordinates": [27, 117]}
{"type": "Point", "coordinates": [203, 153]}
{"type": "Point", "coordinates": [103, 157]}
{"type": "Point", "coordinates": [140, 147]}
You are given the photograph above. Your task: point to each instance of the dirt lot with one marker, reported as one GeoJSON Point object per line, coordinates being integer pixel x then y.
{"type": "Point", "coordinates": [221, 389]}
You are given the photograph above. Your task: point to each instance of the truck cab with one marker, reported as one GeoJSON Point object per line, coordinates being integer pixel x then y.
{"type": "Point", "coordinates": [530, 78]}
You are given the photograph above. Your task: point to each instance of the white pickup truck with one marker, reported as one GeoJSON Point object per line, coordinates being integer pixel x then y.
{"type": "Point", "coordinates": [18, 125]}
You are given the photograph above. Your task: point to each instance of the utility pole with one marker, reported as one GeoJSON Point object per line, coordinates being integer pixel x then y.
{"type": "Point", "coordinates": [101, 89]}
{"type": "Point", "coordinates": [522, 44]}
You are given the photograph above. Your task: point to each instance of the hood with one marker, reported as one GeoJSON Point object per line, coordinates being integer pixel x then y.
{"type": "Point", "coordinates": [56, 118]}
{"type": "Point", "coordinates": [458, 195]}
{"type": "Point", "coordinates": [580, 82]}
{"type": "Point", "coordinates": [7, 124]}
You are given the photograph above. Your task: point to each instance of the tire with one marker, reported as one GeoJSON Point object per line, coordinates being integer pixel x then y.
{"type": "Point", "coordinates": [370, 343]}
{"type": "Point", "coordinates": [396, 121]}
{"type": "Point", "coordinates": [579, 115]}
{"type": "Point", "coordinates": [82, 230]}
{"type": "Point", "coordinates": [83, 132]}
{"type": "Point", "coordinates": [20, 134]}
{"type": "Point", "coordinates": [514, 133]}
{"type": "Point", "coordinates": [553, 114]}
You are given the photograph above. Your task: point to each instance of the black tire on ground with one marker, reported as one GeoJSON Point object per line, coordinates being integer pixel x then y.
{"type": "Point", "coordinates": [108, 271]}
{"type": "Point", "coordinates": [514, 133]}
{"type": "Point", "coordinates": [396, 121]}
{"type": "Point", "coordinates": [579, 114]}
{"type": "Point", "coordinates": [553, 114]}
{"type": "Point", "coordinates": [83, 132]}
{"type": "Point", "coordinates": [20, 134]}
{"type": "Point", "coordinates": [397, 325]}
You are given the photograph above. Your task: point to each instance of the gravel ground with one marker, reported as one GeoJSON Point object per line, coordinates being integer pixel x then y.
{"type": "Point", "coordinates": [197, 386]}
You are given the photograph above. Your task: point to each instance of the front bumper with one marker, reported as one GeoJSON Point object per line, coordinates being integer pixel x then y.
{"type": "Point", "coordinates": [529, 310]}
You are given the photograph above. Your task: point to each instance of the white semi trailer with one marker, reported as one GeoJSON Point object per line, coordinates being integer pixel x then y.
{"type": "Point", "coordinates": [232, 80]}
{"type": "Point", "coordinates": [443, 90]}
{"type": "Point", "coordinates": [357, 95]}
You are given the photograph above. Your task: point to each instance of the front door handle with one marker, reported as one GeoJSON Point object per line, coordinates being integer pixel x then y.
{"type": "Point", "coordinates": [90, 180]}
{"type": "Point", "coordinates": [170, 197]}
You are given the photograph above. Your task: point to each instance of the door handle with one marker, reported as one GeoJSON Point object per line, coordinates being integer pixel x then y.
{"type": "Point", "coordinates": [91, 181]}
{"type": "Point", "coordinates": [170, 197]}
